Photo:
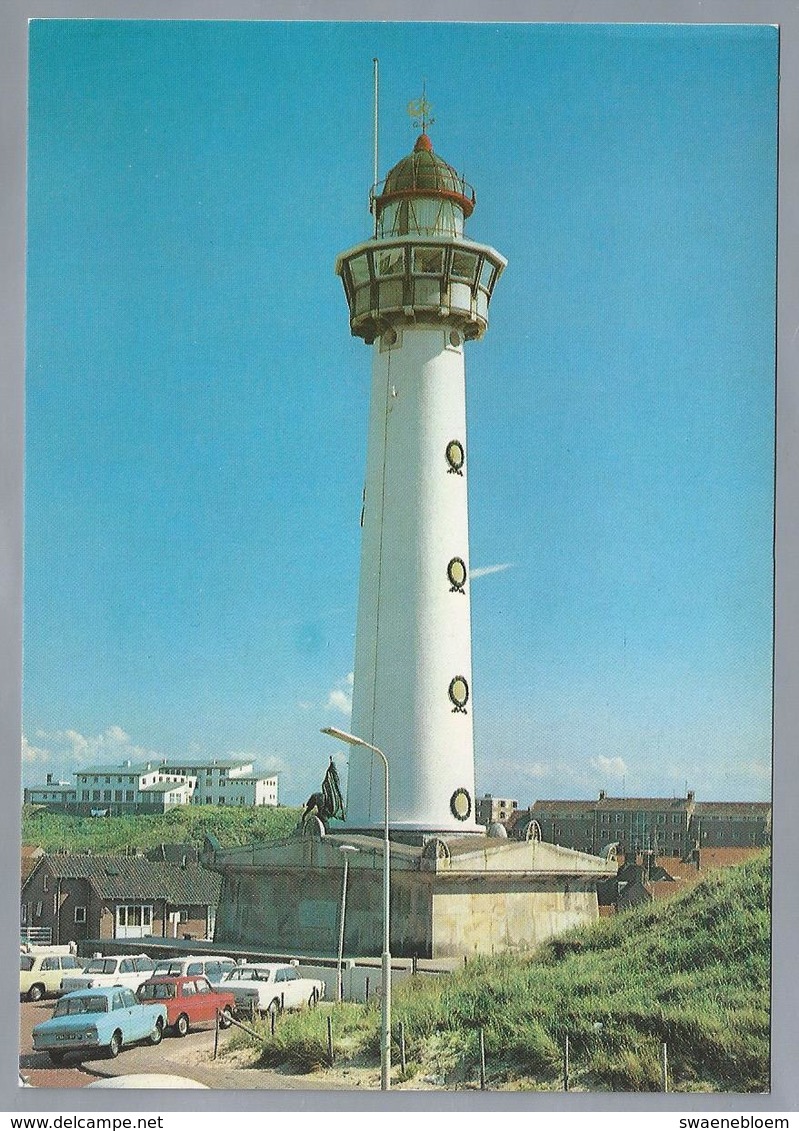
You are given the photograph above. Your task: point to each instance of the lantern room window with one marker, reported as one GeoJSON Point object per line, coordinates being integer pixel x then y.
{"type": "Point", "coordinates": [359, 269]}
{"type": "Point", "coordinates": [428, 260]}
{"type": "Point", "coordinates": [391, 262]}
{"type": "Point", "coordinates": [463, 266]}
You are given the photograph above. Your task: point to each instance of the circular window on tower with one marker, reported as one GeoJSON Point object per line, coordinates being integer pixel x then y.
{"type": "Point", "coordinates": [456, 572]}
{"type": "Point", "coordinates": [461, 804]}
{"type": "Point", "coordinates": [459, 693]}
{"type": "Point", "coordinates": [455, 457]}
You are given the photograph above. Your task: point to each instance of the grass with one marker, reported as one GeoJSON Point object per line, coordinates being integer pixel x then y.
{"type": "Point", "coordinates": [691, 971]}
{"type": "Point", "coordinates": [187, 824]}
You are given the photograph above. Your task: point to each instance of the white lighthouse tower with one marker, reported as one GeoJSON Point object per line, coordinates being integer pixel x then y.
{"type": "Point", "coordinates": [417, 292]}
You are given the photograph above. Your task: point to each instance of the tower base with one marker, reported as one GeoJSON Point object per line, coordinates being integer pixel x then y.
{"type": "Point", "coordinates": [449, 897]}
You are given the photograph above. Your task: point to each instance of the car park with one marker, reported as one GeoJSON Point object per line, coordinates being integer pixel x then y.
{"type": "Point", "coordinates": [40, 974]}
{"type": "Point", "coordinates": [271, 987]}
{"type": "Point", "coordinates": [128, 970]}
{"type": "Point", "coordinates": [105, 1018]}
{"type": "Point", "coordinates": [188, 1001]}
{"type": "Point", "coordinates": [212, 966]}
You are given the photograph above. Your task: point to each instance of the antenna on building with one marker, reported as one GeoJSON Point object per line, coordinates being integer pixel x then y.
{"type": "Point", "coordinates": [376, 168]}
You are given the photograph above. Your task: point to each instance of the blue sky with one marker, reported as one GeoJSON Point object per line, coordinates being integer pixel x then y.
{"type": "Point", "coordinates": [196, 407]}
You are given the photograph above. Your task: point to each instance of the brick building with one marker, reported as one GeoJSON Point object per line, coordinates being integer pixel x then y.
{"type": "Point", "coordinates": [77, 897]}
{"type": "Point", "coordinates": [668, 826]}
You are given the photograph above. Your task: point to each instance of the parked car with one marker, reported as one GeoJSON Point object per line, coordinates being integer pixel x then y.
{"type": "Point", "coordinates": [98, 1019]}
{"type": "Point", "coordinates": [212, 966]}
{"type": "Point", "coordinates": [114, 970]}
{"type": "Point", "coordinates": [41, 974]}
{"type": "Point", "coordinates": [188, 1001]}
{"type": "Point", "coordinates": [272, 987]}
{"type": "Point", "coordinates": [146, 1080]}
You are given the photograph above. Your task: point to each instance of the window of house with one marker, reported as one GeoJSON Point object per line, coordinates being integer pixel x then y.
{"type": "Point", "coordinates": [80, 914]}
{"type": "Point", "coordinates": [39, 908]}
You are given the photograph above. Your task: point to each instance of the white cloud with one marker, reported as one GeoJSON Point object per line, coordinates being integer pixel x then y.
{"type": "Point", "coordinates": [34, 754]}
{"type": "Point", "coordinates": [339, 698]}
{"type": "Point", "coordinates": [483, 571]}
{"type": "Point", "coordinates": [64, 751]}
{"type": "Point", "coordinates": [610, 767]}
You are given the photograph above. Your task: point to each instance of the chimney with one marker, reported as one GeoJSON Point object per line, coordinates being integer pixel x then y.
{"type": "Point", "coordinates": [691, 795]}
{"type": "Point", "coordinates": [49, 779]}
{"type": "Point", "coordinates": [602, 795]}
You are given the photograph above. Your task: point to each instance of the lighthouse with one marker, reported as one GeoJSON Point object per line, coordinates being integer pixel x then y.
{"type": "Point", "coordinates": [417, 291]}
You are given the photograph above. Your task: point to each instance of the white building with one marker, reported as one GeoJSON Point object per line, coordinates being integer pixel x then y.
{"type": "Point", "coordinates": [157, 786]}
{"type": "Point", "coordinates": [146, 786]}
{"type": "Point", "coordinates": [225, 782]}
{"type": "Point", "coordinates": [51, 793]}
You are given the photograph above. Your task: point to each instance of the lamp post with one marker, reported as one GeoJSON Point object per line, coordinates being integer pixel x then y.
{"type": "Point", "coordinates": [346, 851]}
{"type": "Point", "coordinates": [385, 1041]}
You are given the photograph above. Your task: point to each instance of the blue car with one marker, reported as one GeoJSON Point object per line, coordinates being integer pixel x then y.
{"type": "Point", "coordinates": [99, 1019]}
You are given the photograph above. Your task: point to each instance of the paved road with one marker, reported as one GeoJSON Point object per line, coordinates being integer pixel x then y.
{"type": "Point", "coordinates": [182, 1056]}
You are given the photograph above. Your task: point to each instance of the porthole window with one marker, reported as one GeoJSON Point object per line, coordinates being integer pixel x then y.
{"type": "Point", "coordinates": [459, 693]}
{"type": "Point", "coordinates": [456, 457]}
{"type": "Point", "coordinates": [456, 572]}
{"type": "Point", "coordinates": [461, 805]}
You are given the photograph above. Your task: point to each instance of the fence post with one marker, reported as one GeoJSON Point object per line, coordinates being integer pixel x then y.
{"type": "Point", "coordinates": [272, 1016]}
{"type": "Point", "coordinates": [330, 1040]}
{"type": "Point", "coordinates": [482, 1060]}
{"type": "Point", "coordinates": [216, 1034]}
{"type": "Point", "coordinates": [566, 1064]}
{"type": "Point", "coordinates": [664, 1066]}
{"type": "Point", "coordinates": [367, 989]}
{"type": "Point", "coordinates": [402, 1046]}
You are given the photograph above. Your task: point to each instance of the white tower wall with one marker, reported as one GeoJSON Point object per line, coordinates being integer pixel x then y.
{"type": "Point", "coordinates": [413, 634]}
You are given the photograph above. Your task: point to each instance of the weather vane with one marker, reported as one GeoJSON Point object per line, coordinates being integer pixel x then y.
{"type": "Point", "coordinates": [419, 110]}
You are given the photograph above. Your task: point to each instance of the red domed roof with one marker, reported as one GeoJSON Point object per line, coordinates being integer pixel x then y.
{"type": "Point", "coordinates": [423, 174]}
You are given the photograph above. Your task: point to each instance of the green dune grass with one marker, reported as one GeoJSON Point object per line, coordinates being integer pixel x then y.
{"type": "Point", "coordinates": [691, 971]}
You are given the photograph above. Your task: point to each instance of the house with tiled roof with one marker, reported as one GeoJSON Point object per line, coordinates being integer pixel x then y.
{"type": "Point", "coordinates": [119, 897]}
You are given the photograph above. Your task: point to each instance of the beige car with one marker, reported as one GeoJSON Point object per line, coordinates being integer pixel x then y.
{"type": "Point", "coordinates": [41, 974]}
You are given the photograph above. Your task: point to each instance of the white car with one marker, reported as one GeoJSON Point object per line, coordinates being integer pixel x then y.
{"type": "Point", "coordinates": [211, 966]}
{"type": "Point", "coordinates": [128, 970]}
{"type": "Point", "coordinates": [41, 974]}
{"type": "Point", "coordinates": [271, 987]}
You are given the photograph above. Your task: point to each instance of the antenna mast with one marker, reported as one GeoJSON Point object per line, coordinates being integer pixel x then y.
{"type": "Point", "coordinates": [376, 172]}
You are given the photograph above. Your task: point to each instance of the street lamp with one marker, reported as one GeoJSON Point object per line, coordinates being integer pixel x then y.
{"type": "Point", "coordinates": [385, 1041]}
{"type": "Point", "coordinates": [346, 851]}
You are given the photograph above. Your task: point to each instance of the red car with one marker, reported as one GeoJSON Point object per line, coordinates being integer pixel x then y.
{"type": "Point", "coordinates": [188, 1001]}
